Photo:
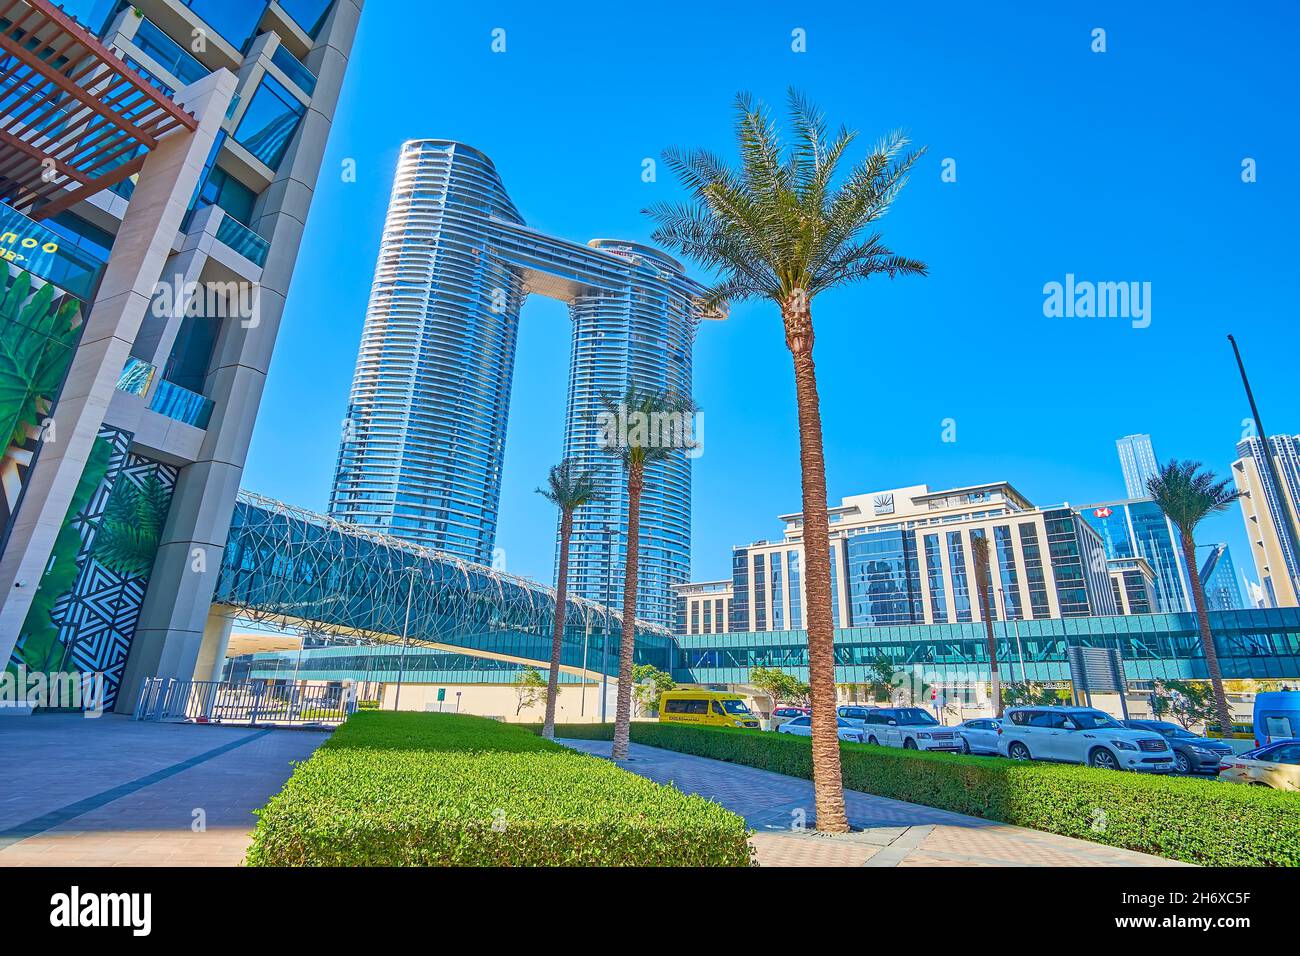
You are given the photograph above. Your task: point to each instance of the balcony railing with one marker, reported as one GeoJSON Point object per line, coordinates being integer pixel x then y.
{"type": "Point", "coordinates": [234, 234]}
{"type": "Point", "coordinates": [181, 404]}
{"type": "Point", "coordinates": [169, 54]}
{"type": "Point", "coordinates": [294, 69]}
{"type": "Point", "coordinates": [136, 376]}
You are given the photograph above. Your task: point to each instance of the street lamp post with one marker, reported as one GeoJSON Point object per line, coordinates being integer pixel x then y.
{"type": "Point", "coordinates": [406, 626]}
{"type": "Point", "coordinates": [1020, 651]}
{"type": "Point", "coordinates": [1288, 529]}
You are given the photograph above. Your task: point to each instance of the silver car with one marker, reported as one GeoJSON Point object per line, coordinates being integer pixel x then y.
{"type": "Point", "coordinates": [979, 735]}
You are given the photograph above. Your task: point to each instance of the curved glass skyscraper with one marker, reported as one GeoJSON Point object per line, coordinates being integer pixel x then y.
{"type": "Point", "coordinates": [422, 451]}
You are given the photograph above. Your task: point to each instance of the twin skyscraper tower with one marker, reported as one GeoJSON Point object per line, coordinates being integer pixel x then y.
{"type": "Point", "coordinates": [424, 440]}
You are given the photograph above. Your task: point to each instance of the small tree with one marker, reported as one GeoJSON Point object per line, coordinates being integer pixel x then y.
{"type": "Point", "coordinates": [1189, 702]}
{"type": "Point", "coordinates": [649, 685]}
{"type": "Point", "coordinates": [882, 674]}
{"type": "Point", "coordinates": [530, 689]}
{"type": "Point", "coordinates": [779, 686]}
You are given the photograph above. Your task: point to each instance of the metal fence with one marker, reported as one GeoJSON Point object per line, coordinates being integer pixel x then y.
{"type": "Point", "coordinates": [244, 702]}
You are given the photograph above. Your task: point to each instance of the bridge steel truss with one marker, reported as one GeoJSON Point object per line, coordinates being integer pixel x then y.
{"type": "Point", "coordinates": [291, 567]}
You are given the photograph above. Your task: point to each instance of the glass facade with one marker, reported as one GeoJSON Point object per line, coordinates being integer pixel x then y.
{"type": "Point", "coordinates": [884, 579]}
{"type": "Point", "coordinates": [760, 594]}
{"type": "Point", "coordinates": [1035, 579]}
{"type": "Point", "coordinates": [235, 20]}
{"type": "Point", "coordinates": [423, 450]}
{"type": "Point", "coordinates": [1251, 644]}
{"type": "Point", "coordinates": [269, 122]}
{"type": "Point", "coordinates": [1219, 580]}
{"type": "Point", "coordinates": [796, 599]}
{"type": "Point", "coordinates": [778, 603]}
{"type": "Point", "coordinates": [1140, 529]}
{"type": "Point", "coordinates": [934, 578]}
{"type": "Point", "coordinates": [961, 595]}
{"type": "Point", "coordinates": [837, 556]}
{"type": "Point", "coordinates": [740, 589]}
{"type": "Point", "coordinates": [1006, 554]}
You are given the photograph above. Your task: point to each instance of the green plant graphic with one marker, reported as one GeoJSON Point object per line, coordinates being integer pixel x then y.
{"type": "Point", "coordinates": [37, 342]}
{"type": "Point", "coordinates": [39, 648]}
{"type": "Point", "coordinates": [128, 538]}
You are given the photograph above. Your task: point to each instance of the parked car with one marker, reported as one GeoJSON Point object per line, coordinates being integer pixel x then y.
{"type": "Point", "coordinates": [855, 714]}
{"type": "Point", "coordinates": [802, 727]}
{"type": "Point", "coordinates": [1192, 754]}
{"type": "Point", "coordinates": [912, 728]}
{"type": "Point", "coordinates": [1277, 716]}
{"type": "Point", "coordinates": [708, 708]}
{"type": "Point", "coordinates": [787, 712]}
{"type": "Point", "coordinates": [979, 735]}
{"type": "Point", "coordinates": [1276, 765]}
{"type": "Point", "coordinates": [1081, 735]}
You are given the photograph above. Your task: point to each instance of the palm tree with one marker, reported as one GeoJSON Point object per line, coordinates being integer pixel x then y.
{"type": "Point", "coordinates": [1186, 495]}
{"type": "Point", "coordinates": [979, 548]}
{"type": "Point", "coordinates": [568, 487]}
{"type": "Point", "coordinates": [785, 226]}
{"type": "Point", "coordinates": [629, 431]}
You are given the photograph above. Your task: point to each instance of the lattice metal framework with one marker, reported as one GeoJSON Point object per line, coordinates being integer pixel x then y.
{"type": "Point", "coordinates": [289, 566]}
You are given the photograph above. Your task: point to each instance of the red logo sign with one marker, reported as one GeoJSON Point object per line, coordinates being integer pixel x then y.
{"type": "Point", "coordinates": [1102, 512]}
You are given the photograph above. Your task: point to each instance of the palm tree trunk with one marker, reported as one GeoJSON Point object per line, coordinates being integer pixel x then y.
{"type": "Point", "coordinates": [1207, 639]}
{"type": "Point", "coordinates": [561, 595]}
{"type": "Point", "coordinates": [827, 781]}
{"type": "Point", "coordinates": [623, 707]}
{"type": "Point", "coordinates": [995, 681]}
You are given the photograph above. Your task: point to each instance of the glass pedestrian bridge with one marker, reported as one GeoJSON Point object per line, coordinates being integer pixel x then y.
{"type": "Point", "coordinates": [290, 567]}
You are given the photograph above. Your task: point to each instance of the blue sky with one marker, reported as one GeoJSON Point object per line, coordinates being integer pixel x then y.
{"type": "Point", "coordinates": [1116, 166]}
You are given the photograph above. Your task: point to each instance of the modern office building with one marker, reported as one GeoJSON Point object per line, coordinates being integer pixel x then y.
{"type": "Point", "coordinates": [144, 283]}
{"type": "Point", "coordinates": [903, 557]}
{"type": "Point", "coordinates": [1138, 461]}
{"type": "Point", "coordinates": [1137, 528]}
{"type": "Point", "coordinates": [1133, 582]}
{"type": "Point", "coordinates": [421, 456]}
{"type": "Point", "coordinates": [1219, 580]}
{"type": "Point", "coordinates": [704, 607]}
{"type": "Point", "coordinates": [1265, 507]}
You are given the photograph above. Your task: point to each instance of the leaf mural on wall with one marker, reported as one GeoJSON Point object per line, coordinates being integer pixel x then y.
{"type": "Point", "coordinates": [127, 541]}
{"type": "Point", "coordinates": [39, 648]}
{"type": "Point", "coordinates": [37, 343]}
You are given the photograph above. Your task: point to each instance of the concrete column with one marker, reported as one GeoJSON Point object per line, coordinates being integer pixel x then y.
{"type": "Point", "coordinates": [174, 616]}
{"type": "Point", "coordinates": [212, 650]}
{"type": "Point", "coordinates": [167, 181]}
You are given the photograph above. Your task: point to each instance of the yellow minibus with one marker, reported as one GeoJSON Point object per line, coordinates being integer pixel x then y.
{"type": "Point", "coordinates": [706, 708]}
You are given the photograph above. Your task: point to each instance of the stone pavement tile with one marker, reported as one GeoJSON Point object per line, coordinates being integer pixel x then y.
{"type": "Point", "coordinates": [809, 849]}
{"type": "Point", "coordinates": [151, 825]}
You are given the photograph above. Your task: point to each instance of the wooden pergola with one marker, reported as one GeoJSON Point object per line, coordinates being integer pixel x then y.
{"type": "Point", "coordinates": [74, 117]}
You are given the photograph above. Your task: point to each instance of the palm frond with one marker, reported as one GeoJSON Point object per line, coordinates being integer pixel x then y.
{"type": "Point", "coordinates": [1187, 494]}
{"type": "Point", "coordinates": [569, 486]}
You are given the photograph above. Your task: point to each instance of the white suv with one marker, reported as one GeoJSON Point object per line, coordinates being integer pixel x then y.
{"type": "Point", "coordinates": [1081, 735]}
{"type": "Point", "coordinates": [911, 728]}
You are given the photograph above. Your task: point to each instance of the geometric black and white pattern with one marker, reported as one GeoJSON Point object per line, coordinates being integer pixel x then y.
{"type": "Point", "coordinates": [97, 619]}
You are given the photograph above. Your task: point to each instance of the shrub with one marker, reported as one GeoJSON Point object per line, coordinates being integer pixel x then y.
{"type": "Point", "coordinates": [1196, 821]}
{"type": "Point", "coordinates": [420, 789]}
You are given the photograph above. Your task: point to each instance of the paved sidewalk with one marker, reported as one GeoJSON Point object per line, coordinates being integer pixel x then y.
{"type": "Point", "coordinates": [116, 792]}
{"type": "Point", "coordinates": [887, 832]}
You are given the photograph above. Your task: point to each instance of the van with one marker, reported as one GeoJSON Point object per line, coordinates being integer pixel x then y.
{"type": "Point", "coordinates": [706, 708]}
{"type": "Point", "coordinates": [1277, 716]}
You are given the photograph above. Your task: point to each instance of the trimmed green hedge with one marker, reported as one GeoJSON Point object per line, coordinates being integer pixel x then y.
{"type": "Point", "coordinates": [1196, 821]}
{"type": "Point", "coordinates": [419, 789]}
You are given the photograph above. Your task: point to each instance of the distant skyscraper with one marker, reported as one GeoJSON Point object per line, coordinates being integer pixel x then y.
{"type": "Point", "coordinates": [1137, 528]}
{"type": "Point", "coordinates": [1138, 460]}
{"type": "Point", "coordinates": [1219, 581]}
{"type": "Point", "coordinates": [422, 452]}
{"type": "Point", "coordinates": [1262, 504]}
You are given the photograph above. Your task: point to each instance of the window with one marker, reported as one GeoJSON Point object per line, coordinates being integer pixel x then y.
{"type": "Point", "coordinates": [308, 14]}
{"type": "Point", "coordinates": [1278, 727]}
{"type": "Point", "coordinates": [270, 121]}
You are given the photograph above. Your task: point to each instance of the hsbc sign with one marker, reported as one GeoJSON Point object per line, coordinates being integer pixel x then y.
{"type": "Point", "coordinates": [1102, 513]}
